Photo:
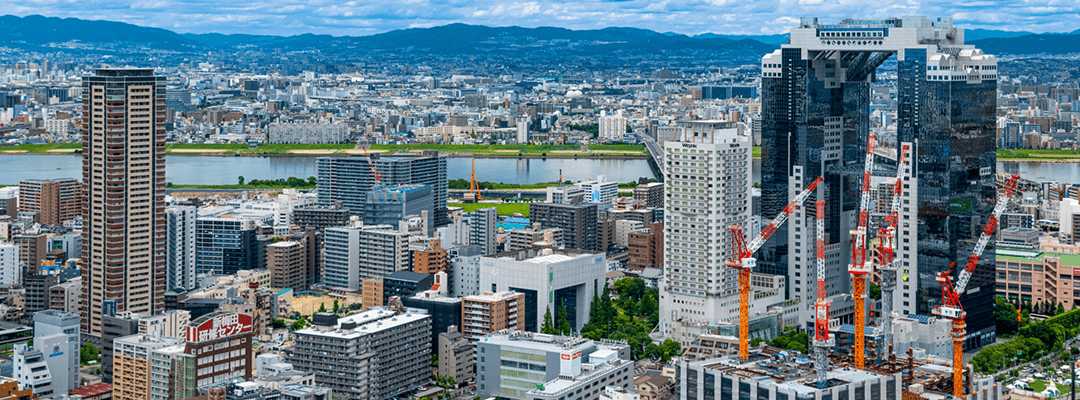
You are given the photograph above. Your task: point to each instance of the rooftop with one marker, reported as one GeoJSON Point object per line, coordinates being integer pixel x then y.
{"type": "Point", "coordinates": [367, 322]}
{"type": "Point", "coordinates": [489, 296]}
{"type": "Point", "coordinates": [1034, 256]}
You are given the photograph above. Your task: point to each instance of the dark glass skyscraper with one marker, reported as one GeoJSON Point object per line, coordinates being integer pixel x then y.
{"type": "Point", "coordinates": [815, 123]}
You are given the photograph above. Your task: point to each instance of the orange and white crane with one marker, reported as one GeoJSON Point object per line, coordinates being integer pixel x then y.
{"type": "Point", "coordinates": [474, 186]}
{"type": "Point", "coordinates": [860, 267]}
{"type": "Point", "coordinates": [822, 342]}
{"type": "Point", "coordinates": [886, 263]}
{"type": "Point", "coordinates": [950, 293]}
{"type": "Point", "coordinates": [743, 260]}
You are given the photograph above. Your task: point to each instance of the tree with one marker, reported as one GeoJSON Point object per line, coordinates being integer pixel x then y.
{"type": "Point", "coordinates": [564, 327]}
{"type": "Point", "coordinates": [755, 342]}
{"type": "Point", "coordinates": [298, 325]}
{"type": "Point", "coordinates": [88, 353]}
{"type": "Point", "coordinates": [277, 322]}
{"type": "Point", "coordinates": [322, 307]}
{"type": "Point", "coordinates": [1061, 308]}
{"type": "Point", "coordinates": [670, 348]}
{"type": "Point", "coordinates": [336, 306]}
{"type": "Point", "coordinates": [240, 180]}
{"type": "Point", "coordinates": [875, 291]}
{"type": "Point", "coordinates": [547, 327]}
{"type": "Point", "coordinates": [434, 360]}
{"type": "Point", "coordinates": [1005, 317]}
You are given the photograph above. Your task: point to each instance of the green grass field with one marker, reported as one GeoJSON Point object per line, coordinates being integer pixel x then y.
{"type": "Point", "coordinates": [40, 148]}
{"type": "Point", "coordinates": [503, 208]}
{"type": "Point", "coordinates": [1039, 386]}
{"type": "Point", "coordinates": [756, 152]}
{"type": "Point", "coordinates": [1038, 154]}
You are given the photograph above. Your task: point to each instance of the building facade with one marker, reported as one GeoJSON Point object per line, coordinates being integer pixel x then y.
{"type": "Point", "coordinates": [55, 201]}
{"type": "Point", "coordinates": [348, 180]}
{"type": "Point", "coordinates": [577, 221]}
{"type": "Point", "coordinates": [547, 280]}
{"type": "Point", "coordinates": [815, 123]}
{"type": "Point", "coordinates": [287, 262]}
{"type": "Point", "coordinates": [180, 250]}
{"type": "Point", "coordinates": [484, 314]}
{"type": "Point", "coordinates": [124, 176]}
{"type": "Point", "coordinates": [385, 352]}
{"type": "Point", "coordinates": [696, 284]}
{"type": "Point", "coordinates": [356, 253]}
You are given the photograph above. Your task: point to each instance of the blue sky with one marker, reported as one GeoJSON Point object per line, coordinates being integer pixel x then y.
{"type": "Point", "coordinates": [365, 17]}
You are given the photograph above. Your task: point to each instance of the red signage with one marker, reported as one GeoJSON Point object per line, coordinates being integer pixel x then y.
{"type": "Point", "coordinates": [577, 355]}
{"type": "Point", "coordinates": [221, 326]}
{"type": "Point", "coordinates": [565, 357]}
{"type": "Point", "coordinates": [1076, 271]}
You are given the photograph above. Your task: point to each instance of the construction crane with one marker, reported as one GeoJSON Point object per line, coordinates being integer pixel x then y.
{"type": "Point", "coordinates": [950, 293]}
{"type": "Point", "coordinates": [886, 250]}
{"type": "Point", "coordinates": [743, 260]}
{"type": "Point", "coordinates": [859, 266]}
{"type": "Point", "coordinates": [822, 342]}
{"type": "Point", "coordinates": [474, 186]}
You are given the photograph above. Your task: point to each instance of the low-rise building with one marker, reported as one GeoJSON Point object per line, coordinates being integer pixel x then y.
{"type": "Point", "coordinates": [457, 356]}
{"type": "Point", "coordinates": [484, 314]}
{"type": "Point", "coordinates": [387, 351]}
{"type": "Point", "coordinates": [525, 365]}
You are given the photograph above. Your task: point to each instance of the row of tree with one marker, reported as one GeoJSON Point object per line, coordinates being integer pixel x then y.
{"type": "Point", "coordinates": [292, 182]}
{"type": "Point", "coordinates": [1033, 340]}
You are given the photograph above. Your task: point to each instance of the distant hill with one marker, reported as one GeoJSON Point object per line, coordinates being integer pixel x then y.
{"type": "Point", "coordinates": [1046, 43]}
{"type": "Point", "coordinates": [38, 31]}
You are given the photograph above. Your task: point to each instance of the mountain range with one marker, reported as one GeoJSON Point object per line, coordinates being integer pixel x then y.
{"type": "Point", "coordinates": [37, 31]}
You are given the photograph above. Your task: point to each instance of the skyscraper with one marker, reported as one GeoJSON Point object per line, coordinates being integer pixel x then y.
{"type": "Point", "coordinates": [124, 176]}
{"type": "Point", "coordinates": [815, 123]}
{"type": "Point", "coordinates": [708, 177]}
{"type": "Point", "coordinates": [348, 180]}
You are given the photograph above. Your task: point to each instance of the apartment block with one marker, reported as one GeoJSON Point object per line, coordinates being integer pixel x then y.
{"type": "Point", "coordinates": [348, 180]}
{"type": "Point", "coordinates": [577, 221]}
{"type": "Point", "coordinates": [10, 266]}
{"type": "Point", "coordinates": [456, 355]}
{"type": "Point", "coordinates": [646, 248]}
{"type": "Point", "coordinates": [357, 253]}
{"type": "Point", "coordinates": [287, 262]}
{"type": "Point", "coordinates": [180, 248]}
{"type": "Point", "coordinates": [55, 201]}
{"type": "Point", "coordinates": [33, 249]}
{"type": "Point", "coordinates": [124, 176]}
{"type": "Point", "coordinates": [228, 241]}
{"type": "Point", "coordinates": [651, 193]}
{"type": "Point", "coordinates": [521, 239]}
{"type": "Point", "coordinates": [387, 349]}
{"type": "Point", "coordinates": [431, 260]}
{"type": "Point", "coordinates": [132, 366]}
{"type": "Point", "coordinates": [482, 225]}
{"type": "Point", "coordinates": [490, 312]}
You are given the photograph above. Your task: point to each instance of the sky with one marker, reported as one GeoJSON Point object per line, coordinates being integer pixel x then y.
{"type": "Point", "coordinates": [366, 17]}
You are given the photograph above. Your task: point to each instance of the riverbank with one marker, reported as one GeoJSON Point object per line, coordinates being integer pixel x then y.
{"type": "Point", "coordinates": [1038, 155]}
{"type": "Point", "coordinates": [610, 152]}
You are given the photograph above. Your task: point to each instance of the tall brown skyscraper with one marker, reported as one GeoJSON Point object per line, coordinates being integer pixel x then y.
{"type": "Point", "coordinates": [124, 173]}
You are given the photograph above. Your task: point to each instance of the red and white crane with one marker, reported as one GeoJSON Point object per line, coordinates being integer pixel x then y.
{"type": "Point", "coordinates": [860, 267]}
{"type": "Point", "coordinates": [886, 262]}
{"type": "Point", "coordinates": [950, 293]}
{"type": "Point", "coordinates": [822, 342]}
{"type": "Point", "coordinates": [743, 260]}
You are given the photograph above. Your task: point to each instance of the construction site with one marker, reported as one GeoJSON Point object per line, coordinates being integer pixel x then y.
{"type": "Point", "coordinates": [863, 372]}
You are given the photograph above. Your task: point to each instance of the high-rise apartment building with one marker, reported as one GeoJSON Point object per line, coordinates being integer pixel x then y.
{"type": "Point", "coordinates": [651, 193]}
{"type": "Point", "coordinates": [577, 221]}
{"type": "Point", "coordinates": [55, 201]}
{"type": "Point", "coordinates": [124, 176]}
{"type": "Point", "coordinates": [33, 248]}
{"type": "Point", "coordinates": [708, 170]}
{"type": "Point", "coordinates": [482, 225]}
{"type": "Point", "coordinates": [227, 242]}
{"type": "Point", "coordinates": [348, 180]}
{"type": "Point", "coordinates": [180, 236]}
{"type": "Point", "coordinates": [646, 249]}
{"type": "Point", "coordinates": [10, 267]}
{"type": "Point", "coordinates": [815, 123]}
{"type": "Point", "coordinates": [612, 127]}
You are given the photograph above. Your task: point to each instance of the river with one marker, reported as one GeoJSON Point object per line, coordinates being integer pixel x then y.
{"type": "Point", "coordinates": [210, 170]}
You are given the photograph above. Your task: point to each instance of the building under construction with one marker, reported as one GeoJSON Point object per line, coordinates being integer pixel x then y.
{"type": "Point", "coordinates": [774, 374]}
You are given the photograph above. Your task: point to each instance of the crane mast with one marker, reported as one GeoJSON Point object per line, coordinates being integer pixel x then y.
{"type": "Point", "coordinates": [950, 293]}
{"type": "Point", "coordinates": [859, 266]}
{"type": "Point", "coordinates": [887, 247]}
{"type": "Point", "coordinates": [822, 342]}
{"type": "Point", "coordinates": [743, 260]}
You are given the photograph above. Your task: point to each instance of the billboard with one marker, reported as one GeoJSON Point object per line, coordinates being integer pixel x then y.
{"type": "Point", "coordinates": [220, 326]}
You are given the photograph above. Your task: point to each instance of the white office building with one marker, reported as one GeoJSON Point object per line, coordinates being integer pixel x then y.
{"type": "Point", "coordinates": [180, 247]}
{"type": "Point", "coordinates": [10, 270]}
{"type": "Point", "coordinates": [547, 279]}
{"type": "Point", "coordinates": [31, 371]}
{"type": "Point", "coordinates": [523, 130]}
{"type": "Point", "coordinates": [708, 170]}
{"type": "Point", "coordinates": [600, 191]}
{"type": "Point", "coordinates": [57, 334]}
{"type": "Point", "coordinates": [564, 194]}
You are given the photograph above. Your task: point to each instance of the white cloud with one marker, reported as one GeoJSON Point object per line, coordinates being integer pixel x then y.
{"type": "Point", "coordinates": [363, 17]}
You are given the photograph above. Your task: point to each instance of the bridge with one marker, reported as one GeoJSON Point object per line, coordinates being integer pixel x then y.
{"type": "Point", "coordinates": [656, 156]}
